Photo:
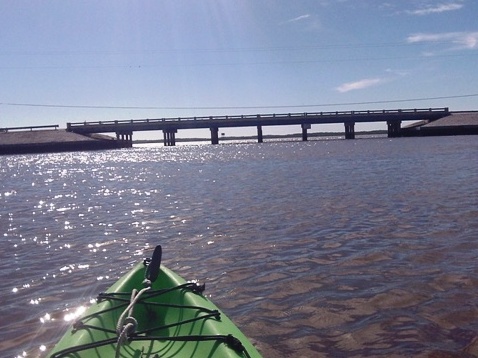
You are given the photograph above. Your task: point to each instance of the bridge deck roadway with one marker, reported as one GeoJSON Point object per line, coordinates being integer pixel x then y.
{"type": "Point", "coordinates": [171, 124]}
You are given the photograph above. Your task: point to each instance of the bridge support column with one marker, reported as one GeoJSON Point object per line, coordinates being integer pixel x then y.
{"type": "Point", "coordinates": [394, 130]}
{"type": "Point", "coordinates": [305, 126]}
{"type": "Point", "coordinates": [214, 135]}
{"type": "Point", "coordinates": [169, 137]}
{"type": "Point", "coordinates": [125, 139]}
{"type": "Point", "coordinates": [349, 130]}
{"type": "Point", "coordinates": [260, 139]}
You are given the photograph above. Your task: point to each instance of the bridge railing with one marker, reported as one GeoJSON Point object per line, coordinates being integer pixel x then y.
{"type": "Point", "coordinates": [31, 128]}
{"type": "Point", "coordinates": [259, 116]}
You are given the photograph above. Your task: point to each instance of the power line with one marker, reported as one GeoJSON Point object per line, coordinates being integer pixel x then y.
{"type": "Point", "coordinates": [215, 64]}
{"type": "Point", "coordinates": [334, 46]}
{"type": "Point", "coordinates": [238, 107]}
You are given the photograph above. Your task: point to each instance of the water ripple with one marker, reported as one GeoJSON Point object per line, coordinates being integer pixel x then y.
{"type": "Point", "coordinates": [328, 248]}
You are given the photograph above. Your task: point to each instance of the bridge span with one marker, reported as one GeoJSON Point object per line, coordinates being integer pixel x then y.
{"type": "Point", "coordinates": [124, 128]}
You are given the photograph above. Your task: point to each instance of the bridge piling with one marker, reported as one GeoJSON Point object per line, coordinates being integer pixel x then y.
{"type": "Point", "coordinates": [169, 137]}
{"type": "Point", "coordinates": [260, 138]}
{"type": "Point", "coordinates": [394, 129]}
{"type": "Point", "coordinates": [214, 135]}
{"type": "Point", "coordinates": [125, 139]}
{"type": "Point", "coordinates": [349, 130]}
{"type": "Point", "coordinates": [304, 127]}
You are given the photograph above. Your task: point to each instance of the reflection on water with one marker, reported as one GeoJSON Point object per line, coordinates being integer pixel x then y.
{"type": "Point", "coordinates": [328, 248]}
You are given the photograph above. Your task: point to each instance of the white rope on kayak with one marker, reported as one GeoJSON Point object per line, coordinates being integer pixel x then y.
{"type": "Point", "coordinates": [127, 324]}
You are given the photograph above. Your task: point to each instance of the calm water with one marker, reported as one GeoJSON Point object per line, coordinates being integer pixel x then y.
{"type": "Point", "coordinates": [319, 249]}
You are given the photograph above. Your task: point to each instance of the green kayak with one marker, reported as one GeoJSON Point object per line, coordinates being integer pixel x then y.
{"type": "Point", "coordinates": [152, 312]}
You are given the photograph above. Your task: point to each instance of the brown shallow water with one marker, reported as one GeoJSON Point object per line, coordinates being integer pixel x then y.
{"type": "Point", "coordinates": [321, 249]}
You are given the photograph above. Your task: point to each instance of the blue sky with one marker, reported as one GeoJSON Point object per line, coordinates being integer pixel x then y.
{"type": "Point", "coordinates": [66, 61]}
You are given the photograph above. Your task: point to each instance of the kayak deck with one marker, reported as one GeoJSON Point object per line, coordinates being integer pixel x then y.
{"type": "Point", "coordinates": [170, 319]}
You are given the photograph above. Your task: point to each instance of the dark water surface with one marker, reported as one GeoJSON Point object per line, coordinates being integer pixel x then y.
{"type": "Point", "coordinates": [315, 249]}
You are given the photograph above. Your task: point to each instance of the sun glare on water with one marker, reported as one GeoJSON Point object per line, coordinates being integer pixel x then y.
{"type": "Point", "coordinates": [71, 316]}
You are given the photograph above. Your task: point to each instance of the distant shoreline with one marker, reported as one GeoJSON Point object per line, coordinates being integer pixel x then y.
{"type": "Point", "coordinates": [270, 136]}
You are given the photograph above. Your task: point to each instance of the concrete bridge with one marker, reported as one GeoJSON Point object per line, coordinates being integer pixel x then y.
{"type": "Point", "coordinates": [124, 128]}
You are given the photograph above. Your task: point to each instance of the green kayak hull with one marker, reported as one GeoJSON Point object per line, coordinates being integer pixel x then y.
{"type": "Point", "coordinates": [171, 319]}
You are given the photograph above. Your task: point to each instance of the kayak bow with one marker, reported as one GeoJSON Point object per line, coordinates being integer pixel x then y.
{"type": "Point", "coordinates": [153, 312]}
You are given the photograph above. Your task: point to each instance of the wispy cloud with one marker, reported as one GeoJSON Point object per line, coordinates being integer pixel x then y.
{"type": "Point", "coordinates": [361, 84]}
{"type": "Point", "coordinates": [398, 72]}
{"type": "Point", "coordinates": [299, 18]}
{"type": "Point", "coordinates": [457, 40]}
{"type": "Point", "coordinates": [436, 9]}
{"type": "Point", "coordinates": [309, 22]}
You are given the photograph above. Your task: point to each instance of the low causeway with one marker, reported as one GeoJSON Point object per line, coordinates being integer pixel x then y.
{"type": "Point", "coordinates": [170, 126]}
